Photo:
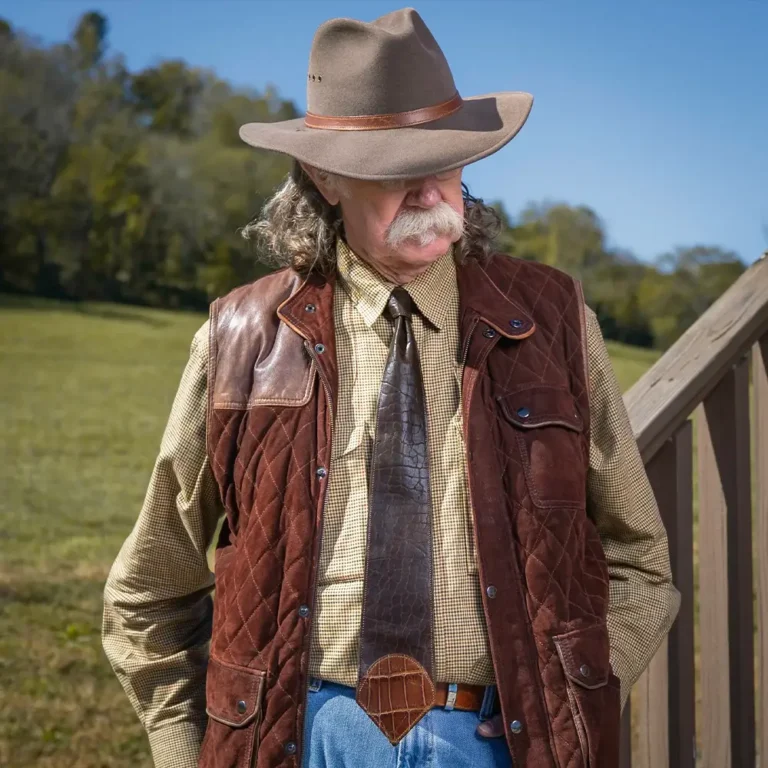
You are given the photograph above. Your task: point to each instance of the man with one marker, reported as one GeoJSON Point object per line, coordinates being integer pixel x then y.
{"type": "Point", "coordinates": [439, 542]}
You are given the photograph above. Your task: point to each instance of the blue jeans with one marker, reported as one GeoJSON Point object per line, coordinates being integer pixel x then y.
{"type": "Point", "coordinates": [338, 734]}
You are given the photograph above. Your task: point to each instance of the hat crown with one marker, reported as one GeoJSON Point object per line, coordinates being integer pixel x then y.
{"type": "Point", "coordinates": [390, 65]}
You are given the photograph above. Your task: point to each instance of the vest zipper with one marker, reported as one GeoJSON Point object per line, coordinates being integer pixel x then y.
{"type": "Point", "coordinates": [465, 351]}
{"type": "Point", "coordinates": [312, 597]}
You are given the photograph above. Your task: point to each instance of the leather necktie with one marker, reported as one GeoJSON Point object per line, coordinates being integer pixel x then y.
{"type": "Point", "coordinates": [395, 683]}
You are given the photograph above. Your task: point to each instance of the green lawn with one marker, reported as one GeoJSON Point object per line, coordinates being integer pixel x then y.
{"type": "Point", "coordinates": [84, 394]}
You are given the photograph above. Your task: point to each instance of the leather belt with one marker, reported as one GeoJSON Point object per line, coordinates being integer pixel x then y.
{"type": "Point", "coordinates": [469, 698]}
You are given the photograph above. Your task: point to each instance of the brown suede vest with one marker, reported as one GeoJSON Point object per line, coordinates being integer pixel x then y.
{"type": "Point", "coordinates": [272, 387]}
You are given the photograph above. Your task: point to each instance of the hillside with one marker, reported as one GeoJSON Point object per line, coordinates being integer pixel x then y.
{"type": "Point", "coordinates": [84, 394]}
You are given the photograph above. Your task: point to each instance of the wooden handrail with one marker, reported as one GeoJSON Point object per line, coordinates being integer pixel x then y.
{"type": "Point", "coordinates": [707, 372]}
{"type": "Point", "coordinates": [667, 394]}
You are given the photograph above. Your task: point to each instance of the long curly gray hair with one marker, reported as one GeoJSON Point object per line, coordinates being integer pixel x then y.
{"type": "Point", "coordinates": [298, 228]}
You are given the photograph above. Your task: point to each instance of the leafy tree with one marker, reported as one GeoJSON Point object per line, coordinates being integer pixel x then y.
{"type": "Point", "coordinates": [90, 39]}
{"type": "Point", "coordinates": [685, 283]}
{"type": "Point", "coordinates": [132, 187]}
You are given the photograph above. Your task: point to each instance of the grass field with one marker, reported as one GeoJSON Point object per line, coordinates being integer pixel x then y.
{"type": "Point", "coordinates": [84, 395]}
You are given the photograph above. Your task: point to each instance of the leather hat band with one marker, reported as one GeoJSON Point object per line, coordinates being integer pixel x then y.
{"type": "Point", "coordinates": [382, 122]}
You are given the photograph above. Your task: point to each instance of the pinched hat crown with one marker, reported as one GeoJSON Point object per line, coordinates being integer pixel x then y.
{"type": "Point", "coordinates": [390, 66]}
{"type": "Point", "coordinates": [382, 104]}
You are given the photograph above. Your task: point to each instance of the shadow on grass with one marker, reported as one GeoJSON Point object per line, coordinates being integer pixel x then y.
{"type": "Point", "coordinates": [105, 311]}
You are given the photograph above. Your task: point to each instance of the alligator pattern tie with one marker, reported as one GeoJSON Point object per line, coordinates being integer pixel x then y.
{"type": "Point", "coordinates": [395, 685]}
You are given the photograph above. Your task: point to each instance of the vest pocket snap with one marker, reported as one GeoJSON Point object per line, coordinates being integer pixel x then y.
{"type": "Point", "coordinates": [234, 697]}
{"type": "Point", "coordinates": [548, 433]}
{"type": "Point", "coordinates": [593, 693]}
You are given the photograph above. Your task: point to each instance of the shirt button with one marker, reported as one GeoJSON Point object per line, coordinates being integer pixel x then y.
{"type": "Point", "coordinates": [290, 748]}
{"type": "Point", "coordinates": [241, 707]}
{"type": "Point", "coordinates": [304, 611]}
{"type": "Point", "coordinates": [321, 472]}
{"type": "Point", "coordinates": [491, 591]}
{"type": "Point", "coordinates": [516, 726]}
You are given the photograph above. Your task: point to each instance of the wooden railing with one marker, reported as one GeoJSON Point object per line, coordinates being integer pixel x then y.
{"type": "Point", "coordinates": [696, 406]}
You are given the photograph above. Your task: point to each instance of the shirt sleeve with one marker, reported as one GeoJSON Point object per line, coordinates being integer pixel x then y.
{"type": "Point", "coordinates": [643, 601]}
{"type": "Point", "coordinates": [157, 601]}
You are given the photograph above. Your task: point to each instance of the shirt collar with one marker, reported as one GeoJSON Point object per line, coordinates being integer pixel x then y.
{"type": "Point", "coordinates": [369, 291]}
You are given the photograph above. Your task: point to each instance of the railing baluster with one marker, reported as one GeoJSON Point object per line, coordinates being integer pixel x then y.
{"type": "Point", "coordinates": [671, 476]}
{"type": "Point", "coordinates": [760, 391]}
{"type": "Point", "coordinates": [725, 574]}
{"type": "Point", "coordinates": [625, 756]}
{"type": "Point", "coordinates": [651, 713]}
{"type": "Point", "coordinates": [666, 689]}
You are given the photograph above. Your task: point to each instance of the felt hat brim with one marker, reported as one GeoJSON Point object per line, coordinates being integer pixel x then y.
{"type": "Point", "coordinates": [482, 126]}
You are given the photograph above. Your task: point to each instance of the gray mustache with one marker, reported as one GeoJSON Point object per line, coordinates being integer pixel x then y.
{"type": "Point", "coordinates": [425, 226]}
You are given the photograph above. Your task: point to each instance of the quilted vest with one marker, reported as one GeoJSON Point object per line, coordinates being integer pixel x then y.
{"type": "Point", "coordinates": [272, 387]}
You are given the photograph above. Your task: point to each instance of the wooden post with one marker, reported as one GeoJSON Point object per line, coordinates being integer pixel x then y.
{"type": "Point", "coordinates": [665, 692]}
{"type": "Point", "coordinates": [760, 391]}
{"type": "Point", "coordinates": [651, 713]}
{"type": "Point", "coordinates": [625, 755]}
{"type": "Point", "coordinates": [725, 574]}
{"type": "Point", "coordinates": [671, 475]}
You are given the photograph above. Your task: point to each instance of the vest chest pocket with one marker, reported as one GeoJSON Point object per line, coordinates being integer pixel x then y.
{"type": "Point", "coordinates": [548, 431]}
{"type": "Point", "coordinates": [234, 705]}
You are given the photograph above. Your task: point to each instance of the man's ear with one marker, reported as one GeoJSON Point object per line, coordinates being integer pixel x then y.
{"type": "Point", "coordinates": [325, 185]}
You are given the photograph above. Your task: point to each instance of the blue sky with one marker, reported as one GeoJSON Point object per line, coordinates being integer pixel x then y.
{"type": "Point", "coordinates": [653, 113]}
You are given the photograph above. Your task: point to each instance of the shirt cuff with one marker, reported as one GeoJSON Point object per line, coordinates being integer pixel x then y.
{"type": "Point", "coordinates": [176, 745]}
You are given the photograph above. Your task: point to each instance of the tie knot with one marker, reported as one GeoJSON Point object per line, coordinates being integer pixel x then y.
{"type": "Point", "coordinates": [399, 304]}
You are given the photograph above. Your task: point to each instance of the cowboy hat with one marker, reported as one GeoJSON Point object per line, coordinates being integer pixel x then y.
{"type": "Point", "coordinates": [382, 105]}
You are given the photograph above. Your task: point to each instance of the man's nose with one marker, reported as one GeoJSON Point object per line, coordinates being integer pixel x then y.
{"type": "Point", "coordinates": [426, 195]}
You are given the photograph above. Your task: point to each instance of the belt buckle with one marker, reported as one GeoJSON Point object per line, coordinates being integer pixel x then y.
{"type": "Point", "coordinates": [450, 700]}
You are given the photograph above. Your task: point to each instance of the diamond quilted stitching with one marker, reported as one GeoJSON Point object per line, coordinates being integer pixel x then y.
{"type": "Point", "coordinates": [566, 581]}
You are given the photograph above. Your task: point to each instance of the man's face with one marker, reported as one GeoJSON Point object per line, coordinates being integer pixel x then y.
{"type": "Point", "coordinates": [399, 227]}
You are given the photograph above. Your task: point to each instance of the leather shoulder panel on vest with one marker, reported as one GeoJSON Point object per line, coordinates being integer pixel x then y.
{"type": "Point", "coordinates": [255, 359]}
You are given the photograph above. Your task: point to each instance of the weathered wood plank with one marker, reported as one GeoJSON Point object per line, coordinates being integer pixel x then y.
{"type": "Point", "coordinates": [670, 472]}
{"type": "Point", "coordinates": [713, 607]}
{"type": "Point", "coordinates": [760, 392]}
{"type": "Point", "coordinates": [625, 755]}
{"type": "Point", "coordinates": [725, 574]}
{"type": "Point", "coordinates": [664, 398]}
{"type": "Point", "coordinates": [651, 715]}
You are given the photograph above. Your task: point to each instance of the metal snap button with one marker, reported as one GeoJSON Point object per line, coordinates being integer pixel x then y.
{"type": "Point", "coordinates": [290, 748]}
{"type": "Point", "coordinates": [321, 472]}
{"type": "Point", "coordinates": [319, 348]}
{"type": "Point", "coordinates": [304, 611]}
{"type": "Point", "coordinates": [516, 726]}
{"type": "Point", "coordinates": [585, 670]}
{"type": "Point", "coordinates": [491, 591]}
{"type": "Point", "coordinates": [516, 323]}
{"type": "Point", "coordinates": [241, 707]}
{"type": "Point", "coordinates": [489, 333]}
{"type": "Point", "coordinates": [310, 308]}
{"type": "Point", "coordinates": [523, 412]}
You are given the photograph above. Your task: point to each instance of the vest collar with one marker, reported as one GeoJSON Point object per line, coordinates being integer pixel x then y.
{"type": "Point", "coordinates": [482, 297]}
{"type": "Point", "coordinates": [309, 311]}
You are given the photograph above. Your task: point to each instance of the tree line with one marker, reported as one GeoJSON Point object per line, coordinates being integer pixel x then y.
{"type": "Point", "coordinates": [131, 187]}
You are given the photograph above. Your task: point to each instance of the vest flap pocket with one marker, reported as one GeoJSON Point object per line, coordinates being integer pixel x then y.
{"type": "Point", "coordinates": [585, 656]}
{"type": "Point", "coordinates": [541, 406]}
{"type": "Point", "coordinates": [233, 693]}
